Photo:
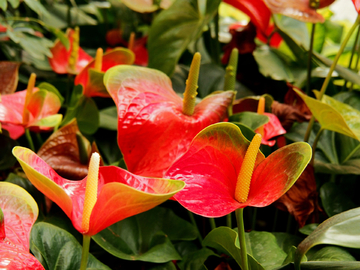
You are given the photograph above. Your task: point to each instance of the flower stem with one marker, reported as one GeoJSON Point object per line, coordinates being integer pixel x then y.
{"type": "Point", "coordinates": [29, 139]}
{"type": "Point", "coordinates": [212, 223]}
{"type": "Point", "coordinates": [318, 135]}
{"type": "Point", "coordinates": [332, 68]}
{"type": "Point", "coordinates": [308, 81]}
{"type": "Point", "coordinates": [241, 232]}
{"type": "Point", "coordinates": [193, 221]}
{"type": "Point", "coordinates": [85, 251]}
{"type": "Point", "coordinates": [229, 221]}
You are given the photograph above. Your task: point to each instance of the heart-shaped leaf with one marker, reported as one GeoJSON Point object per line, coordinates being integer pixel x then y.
{"type": "Point", "coordinates": [58, 249]}
{"type": "Point", "coordinates": [147, 236]}
{"type": "Point", "coordinates": [334, 115]}
{"type": "Point", "coordinates": [341, 229]}
{"type": "Point", "coordinates": [173, 29]}
{"type": "Point", "coordinates": [20, 212]}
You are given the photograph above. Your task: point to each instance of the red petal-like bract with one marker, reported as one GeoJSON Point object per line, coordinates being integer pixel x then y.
{"type": "Point", "coordinates": [152, 130]}
{"type": "Point", "coordinates": [20, 212]}
{"type": "Point", "coordinates": [119, 56]}
{"type": "Point", "coordinates": [258, 12]}
{"type": "Point", "coordinates": [212, 164]}
{"type": "Point", "coordinates": [272, 129]}
{"type": "Point", "coordinates": [357, 5]}
{"type": "Point", "coordinates": [120, 193]}
{"type": "Point", "coordinates": [59, 62]}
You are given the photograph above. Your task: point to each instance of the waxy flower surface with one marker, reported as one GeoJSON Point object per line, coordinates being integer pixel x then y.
{"type": "Point", "coordinates": [19, 212]}
{"type": "Point", "coordinates": [211, 167]}
{"type": "Point", "coordinates": [119, 195]}
{"type": "Point", "coordinates": [153, 131]}
{"type": "Point", "coordinates": [71, 60]}
{"type": "Point", "coordinates": [36, 110]}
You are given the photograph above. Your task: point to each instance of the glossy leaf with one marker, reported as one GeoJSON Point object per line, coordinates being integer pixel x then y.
{"type": "Point", "coordinates": [108, 118]}
{"type": "Point", "coordinates": [152, 130]}
{"type": "Point", "coordinates": [212, 164]}
{"type": "Point", "coordinates": [147, 236]}
{"type": "Point", "coordinates": [195, 260]}
{"type": "Point", "coordinates": [92, 80]}
{"type": "Point", "coordinates": [251, 119]}
{"type": "Point", "coordinates": [20, 212]}
{"type": "Point", "coordinates": [341, 229]}
{"type": "Point", "coordinates": [8, 77]}
{"type": "Point", "coordinates": [173, 29]}
{"type": "Point", "coordinates": [147, 6]}
{"type": "Point", "coordinates": [332, 253]}
{"type": "Point", "coordinates": [120, 193]}
{"type": "Point", "coordinates": [330, 265]}
{"type": "Point", "coordinates": [88, 116]}
{"type": "Point", "coordinates": [58, 249]}
{"type": "Point", "coordinates": [225, 240]}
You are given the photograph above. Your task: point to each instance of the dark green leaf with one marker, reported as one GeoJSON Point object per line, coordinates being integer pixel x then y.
{"type": "Point", "coordinates": [87, 116]}
{"type": "Point", "coordinates": [330, 265]}
{"type": "Point", "coordinates": [109, 118]}
{"type": "Point", "coordinates": [332, 254]}
{"type": "Point", "coordinates": [173, 29]}
{"type": "Point", "coordinates": [147, 236]}
{"type": "Point", "coordinates": [249, 119]}
{"type": "Point", "coordinates": [7, 160]}
{"type": "Point", "coordinates": [309, 228]}
{"type": "Point", "coordinates": [48, 87]}
{"type": "Point", "coordinates": [57, 249]}
{"type": "Point", "coordinates": [195, 260]}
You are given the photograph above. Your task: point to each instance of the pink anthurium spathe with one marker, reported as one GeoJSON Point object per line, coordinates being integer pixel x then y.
{"type": "Point", "coordinates": [20, 211]}
{"type": "Point", "coordinates": [91, 76]}
{"type": "Point", "coordinates": [211, 168]}
{"type": "Point", "coordinates": [357, 5]}
{"type": "Point", "coordinates": [272, 129]}
{"type": "Point", "coordinates": [119, 195]}
{"type": "Point", "coordinates": [32, 108]}
{"type": "Point", "coordinates": [153, 131]}
{"type": "Point", "coordinates": [68, 60]}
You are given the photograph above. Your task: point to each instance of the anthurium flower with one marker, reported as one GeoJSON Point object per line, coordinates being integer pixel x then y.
{"type": "Point", "coordinates": [119, 194]}
{"type": "Point", "coordinates": [91, 76]}
{"type": "Point", "coordinates": [32, 108]}
{"type": "Point", "coordinates": [357, 5]}
{"type": "Point", "coordinates": [153, 129]}
{"type": "Point", "coordinates": [224, 172]}
{"type": "Point", "coordinates": [18, 212]}
{"type": "Point", "coordinates": [69, 60]}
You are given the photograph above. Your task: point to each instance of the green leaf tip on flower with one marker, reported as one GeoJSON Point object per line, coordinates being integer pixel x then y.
{"type": "Point", "coordinates": [90, 191]}
{"type": "Point", "coordinates": [246, 170]}
{"type": "Point", "coordinates": [2, 226]}
{"type": "Point", "coordinates": [231, 69]}
{"type": "Point", "coordinates": [75, 49]}
{"type": "Point", "coordinates": [191, 86]}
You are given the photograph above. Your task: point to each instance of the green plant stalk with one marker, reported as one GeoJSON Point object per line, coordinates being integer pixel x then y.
{"type": "Point", "coordinates": [229, 221]}
{"type": "Point", "coordinates": [85, 251]}
{"type": "Point", "coordinates": [193, 221]}
{"type": "Point", "coordinates": [352, 55]}
{"type": "Point", "coordinates": [29, 139]}
{"type": "Point", "coordinates": [356, 66]}
{"type": "Point", "coordinates": [212, 223]}
{"type": "Point", "coordinates": [308, 81]}
{"type": "Point", "coordinates": [332, 68]}
{"type": "Point", "coordinates": [241, 233]}
{"type": "Point", "coordinates": [316, 140]}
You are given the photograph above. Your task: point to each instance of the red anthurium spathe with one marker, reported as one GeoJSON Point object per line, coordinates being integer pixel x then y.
{"type": "Point", "coordinates": [119, 195]}
{"type": "Point", "coordinates": [20, 211]}
{"type": "Point", "coordinates": [91, 76]}
{"type": "Point", "coordinates": [212, 164]}
{"type": "Point", "coordinates": [71, 60]}
{"type": "Point", "coordinates": [272, 129]}
{"type": "Point", "coordinates": [357, 5]}
{"type": "Point", "coordinates": [32, 108]}
{"type": "Point", "coordinates": [153, 131]}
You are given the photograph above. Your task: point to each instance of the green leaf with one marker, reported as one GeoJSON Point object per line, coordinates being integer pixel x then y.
{"type": "Point", "coordinates": [49, 87]}
{"type": "Point", "coordinates": [334, 115]}
{"type": "Point", "coordinates": [60, 35]}
{"type": "Point", "coordinates": [271, 65]}
{"type": "Point", "coordinates": [3, 5]}
{"type": "Point", "coordinates": [7, 160]}
{"type": "Point", "coordinates": [332, 254]}
{"type": "Point", "coordinates": [174, 29]}
{"type": "Point", "coordinates": [342, 230]}
{"type": "Point", "coordinates": [330, 265]}
{"type": "Point", "coordinates": [37, 7]}
{"type": "Point", "coordinates": [147, 236]}
{"type": "Point", "coordinates": [336, 198]}
{"type": "Point", "coordinates": [345, 73]}
{"type": "Point", "coordinates": [108, 118]}
{"type": "Point", "coordinates": [87, 116]}
{"type": "Point", "coordinates": [49, 121]}
{"type": "Point", "coordinates": [250, 119]}
{"type": "Point", "coordinates": [75, 101]}
{"type": "Point", "coordinates": [223, 239]}
{"type": "Point", "coordinates": [57, 249]}
{"type": "Point", "coordinates": [309, 228]}
{"type": "Point", "coordinates": [195, 260]}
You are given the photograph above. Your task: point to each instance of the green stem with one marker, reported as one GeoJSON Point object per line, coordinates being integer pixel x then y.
{"type": "Point", "coordinates": [309, 69]}
{"type": "Point", "coordinates": [29, 139]}
{"type": "Point", "coordinates": [212, 223]}
{"type": "Point", "coordinates": [85, 251]}
{"type": "Point", "coordinates": [352, 55]}
{"type": "Point", "coordinates": [193, 221]}
{"type": "Point", "coordinates": [229, 221]}
{"type": "Point", "coordinates": [316, 140]}
{"type": "Point", "coordinates": [332, 68]}
{"type": "Point", "coordinates": [241, 231]}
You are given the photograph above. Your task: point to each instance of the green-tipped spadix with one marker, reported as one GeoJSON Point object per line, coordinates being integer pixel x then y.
{"type": "Point", "coordinates": [192, 85]}
{"type": "Point", "coordinates": [230, 75]}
